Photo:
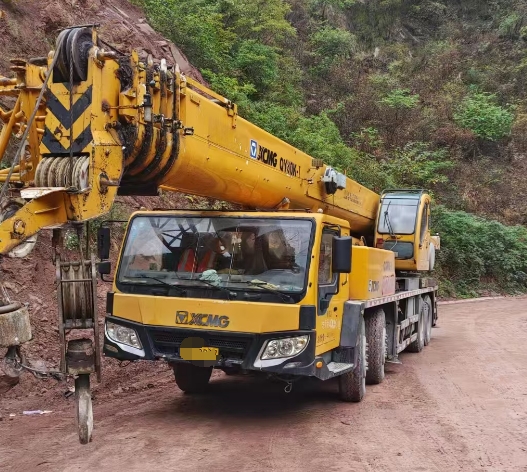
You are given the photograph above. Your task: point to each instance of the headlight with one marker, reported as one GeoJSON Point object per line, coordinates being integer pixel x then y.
{"type": "Point", "coordinates": [285, 347]}
{"type": "Point", "coordinates": [122, 334]}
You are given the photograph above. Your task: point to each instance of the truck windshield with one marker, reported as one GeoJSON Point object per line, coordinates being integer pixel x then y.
{"type": "Point", "coordinates": [257, 254]}
{"type": "Point", "coordinates": [398, 216]}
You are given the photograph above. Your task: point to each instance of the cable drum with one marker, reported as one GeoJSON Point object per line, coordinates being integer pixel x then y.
{"type": "Point", "coordinates": [57, 172]}
{"type": "Point", "coordinates": [73, 48]}
{"type": "Point", "coordinates": [77, 293]}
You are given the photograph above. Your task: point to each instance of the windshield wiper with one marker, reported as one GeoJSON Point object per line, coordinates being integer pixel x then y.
{"type": "Point", "coordinates": [388, 222]}
{"type": "Point", "coordinates": [263, 285]}
{"type": "Point", "coordinates": [180, 289]}
{"type": "Point", "coordinates": [210, 284]}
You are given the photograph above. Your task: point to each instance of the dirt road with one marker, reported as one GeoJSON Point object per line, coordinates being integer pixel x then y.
{"type": "Point", "coordinates": [461, 404]}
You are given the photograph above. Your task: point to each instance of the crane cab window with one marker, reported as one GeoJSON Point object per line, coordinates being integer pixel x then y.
{"type": "Point", "coordinates": [398, 216]}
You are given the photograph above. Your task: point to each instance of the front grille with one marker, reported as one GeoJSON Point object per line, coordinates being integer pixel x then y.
{"type": "Point", "coordinates": [168, 341]}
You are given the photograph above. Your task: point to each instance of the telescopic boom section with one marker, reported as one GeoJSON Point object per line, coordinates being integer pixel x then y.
{"type": "Point", "coordinates": [115, 124]}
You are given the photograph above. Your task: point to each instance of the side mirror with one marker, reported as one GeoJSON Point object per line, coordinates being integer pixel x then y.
{"type": "Point", "coordinates": [341, 254]}
{"type": "Point", "coordinates": [103, 243]}
{"type": "Point", "coordinates": [104, 268]}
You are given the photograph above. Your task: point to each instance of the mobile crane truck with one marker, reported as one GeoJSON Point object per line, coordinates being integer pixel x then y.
{"type": "Point", "coordinates": [316, 276]}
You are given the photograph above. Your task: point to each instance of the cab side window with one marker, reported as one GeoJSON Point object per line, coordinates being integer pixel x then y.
{"type": "Point", "coordinates": [424, 223]}
{"type": "Point", "coordinates": [325, 275]}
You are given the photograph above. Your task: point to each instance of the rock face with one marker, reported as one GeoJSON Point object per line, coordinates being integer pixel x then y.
{"type": "Point", "coordinates": [29, 29]}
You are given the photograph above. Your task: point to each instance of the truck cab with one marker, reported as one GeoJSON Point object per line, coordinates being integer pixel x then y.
{"type": "Point", "coordinates": [251, 291]}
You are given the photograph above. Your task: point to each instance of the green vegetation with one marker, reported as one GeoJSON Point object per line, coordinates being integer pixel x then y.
{"type": "Point", "coordinates": [480, 114]}
{"type": "Point", "coordinates": [400, 99]}
{"type": "Point", "coordinates": [479, 254]}
{"type": "Point", "coordinates": [427, 93]}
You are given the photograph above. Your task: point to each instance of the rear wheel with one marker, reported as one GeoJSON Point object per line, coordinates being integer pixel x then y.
{"type": "Point", "coordinates": [191, 378]}
{"type": "Point", "coordinates": [376, 339]}
{"type": "Point", "coordinates": [352, 385]}
{"type": "Point", "coordinates": [427, 306]}
{"type": "Point", "coordinates": [418, 344]}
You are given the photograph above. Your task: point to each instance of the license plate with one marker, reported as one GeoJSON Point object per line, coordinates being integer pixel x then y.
{"type": "Point", "coordinates": [199, 353]}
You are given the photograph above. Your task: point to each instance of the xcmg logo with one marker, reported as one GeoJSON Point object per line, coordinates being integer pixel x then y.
{"type": "Point", "coordinates": [201, 319]}
{"type": "Point", "coordinates": [254, 148]}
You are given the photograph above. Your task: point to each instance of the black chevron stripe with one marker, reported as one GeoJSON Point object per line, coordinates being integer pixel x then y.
{"type": "Point", "coordinates": [55, 147]}
{"type": "Point", "coordinates": [62, 113]}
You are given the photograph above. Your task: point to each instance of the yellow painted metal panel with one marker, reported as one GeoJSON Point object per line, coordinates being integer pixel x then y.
{"type": "Point", "coordinates": [177, 313]}
{"type": "Point", "coordinates": [372, 273]}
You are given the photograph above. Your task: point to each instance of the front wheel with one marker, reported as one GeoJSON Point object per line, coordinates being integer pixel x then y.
{"type": "Point", "coordinates": [191, 378]}
{"type": "Point", "coordinates": [352, 385]}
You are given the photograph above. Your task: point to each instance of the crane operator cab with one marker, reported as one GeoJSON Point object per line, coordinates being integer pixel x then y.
{"type": "Point", "coordinates": [403, 226]}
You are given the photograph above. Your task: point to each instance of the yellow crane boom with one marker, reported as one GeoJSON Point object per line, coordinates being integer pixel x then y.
{"type": "Point", "coordinates": [113, 124]}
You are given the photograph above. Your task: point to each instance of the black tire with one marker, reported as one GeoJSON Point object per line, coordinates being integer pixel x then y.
{"type": "Point", "coordinates": [191, 378]}
{"type": "Point", "coordinates": [352, 385]}
{"type": "Point", "coordinates": [376, 339]}
{"type": "Point", "coordinates": [418, 344]}
{"type": "Point", "coordinates": [427, 306]}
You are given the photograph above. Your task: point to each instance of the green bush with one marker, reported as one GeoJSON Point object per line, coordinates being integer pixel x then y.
{"type": "Point", "coordinates": [279, 120]}
{"type": "Point", "coordinates": [417, 165]}
{"type": "Point", "coordinates": [330, 45]}
{"type": "Point", "coordinates": [320, 137]}
{"type": "Point", "coordinates": [258, 63]}
{"type": "Point", "coordinates": [480, 113]}
{"type": "Point", "coordinates": [196, 26]}
{"type": "Point", "coordinates": [264, 21]}
{"type": "Point", "coordinates": [230, 88]}
{"type": "Point", "coordinates": [400, 99]}
{"type": "Point", "coordinates": [511, 26]}
{"type": "Point", "coordinates": [477, 253]}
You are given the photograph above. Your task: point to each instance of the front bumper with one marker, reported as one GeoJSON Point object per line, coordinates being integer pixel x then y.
{"type": "Point", "coordinates": [237, 350]}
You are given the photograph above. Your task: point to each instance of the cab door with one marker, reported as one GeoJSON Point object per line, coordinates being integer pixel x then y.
{"type": "Point", "coordinates": [330, 297]}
